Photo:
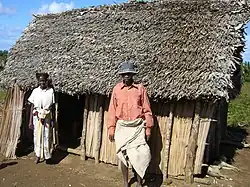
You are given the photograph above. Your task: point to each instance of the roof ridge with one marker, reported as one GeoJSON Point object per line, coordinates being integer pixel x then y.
{"type": "Point", "coordinates": [121, 6]}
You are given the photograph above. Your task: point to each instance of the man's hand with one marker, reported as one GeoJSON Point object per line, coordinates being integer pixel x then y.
{"type": "Point", "coordinates": [111, 137]}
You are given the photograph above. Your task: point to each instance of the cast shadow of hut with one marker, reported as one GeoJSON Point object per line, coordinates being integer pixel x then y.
{"type": "Point", "coordinates": [4, 165]}
{"type": "Point", "coordinates": [58, 156]}
{"type": "Point", "coordinates": [228, 147]}
{"type": "Point", "coordinates": [231, 136]}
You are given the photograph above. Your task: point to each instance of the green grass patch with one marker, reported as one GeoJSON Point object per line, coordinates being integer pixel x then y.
{"type": "Point", "coordinates": [239, 109]}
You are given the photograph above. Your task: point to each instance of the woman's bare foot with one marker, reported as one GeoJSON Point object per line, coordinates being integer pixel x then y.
{"type": "Point", "coordinates": [37, 160]}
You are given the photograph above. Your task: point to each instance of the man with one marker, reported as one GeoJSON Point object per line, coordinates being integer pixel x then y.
{"type": "Point", "coordinates": [130, 119]}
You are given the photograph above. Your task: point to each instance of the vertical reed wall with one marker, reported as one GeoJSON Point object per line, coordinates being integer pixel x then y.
{"type": "Point", "coordinates": [184, 136]}
{"type": "Point", "coordinates": [10, 128]}
{"type": "Point", "coordinates": [170, 140]}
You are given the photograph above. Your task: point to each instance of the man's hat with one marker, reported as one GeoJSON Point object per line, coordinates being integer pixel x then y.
{"type": "Point", "coordinates": [127, 67]}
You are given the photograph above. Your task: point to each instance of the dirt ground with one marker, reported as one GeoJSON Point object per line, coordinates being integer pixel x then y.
{"type": "Point", "coordinates": [70, 171]}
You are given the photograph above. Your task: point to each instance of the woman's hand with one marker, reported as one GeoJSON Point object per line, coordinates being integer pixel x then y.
{"type": "Point", "coordinates": [112, 137]}
{"type": "Point", "coordinates": [31, 126]}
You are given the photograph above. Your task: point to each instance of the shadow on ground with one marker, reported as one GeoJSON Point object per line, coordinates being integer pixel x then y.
{"type": "Point", "coordinates": [26, 147]}
{"type": "Point", "coordinates": [235, 137]}
{"type": "Point", "coordinates": [4, 165]}
{"type": "Point", "coordinates": [149, 180]}
{"type": "Point", "coordinates": [58, 156]}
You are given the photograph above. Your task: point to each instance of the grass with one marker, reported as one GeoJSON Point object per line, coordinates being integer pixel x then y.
{"type": "Point", "coordinates": [239, 109]}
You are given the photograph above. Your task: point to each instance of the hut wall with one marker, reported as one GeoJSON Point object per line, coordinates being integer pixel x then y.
{"type": "Point", "coordinates": [206, 120]}
{"type": "Point", "coordinates": [107, 151]}
{"type": "Point", "coordinates": [170, 135]}
{"type": "Point", "coordinates": [180, 137]}
{"type": "Point", "coordinates": [26, 132]}
{"type": "Point", "coordinates": [11, 122]}
{"type": "Point", "coordinates": [222, 117]}
{"type": "Point", "coordinates": [185, 135]}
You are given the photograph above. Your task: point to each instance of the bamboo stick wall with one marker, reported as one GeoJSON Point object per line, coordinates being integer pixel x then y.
{"type": "Point", "coordinates": [180, 137]}
{"type": "Point", "coordinates": [107, 152]}
{"type": "Point", "coordinates": [11, 122]}
{"type": "Point", "coordinates": [174, 123]}
{"type": "Point", "coordinates": [183, 138]}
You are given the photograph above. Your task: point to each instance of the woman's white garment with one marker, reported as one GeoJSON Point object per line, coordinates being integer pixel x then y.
{"type": "Point", "coordinates": [42, 100]}
{"type": "Point", "coordinates": [42, 138]}
{"type": "Point", "coordinates": [130, 143]}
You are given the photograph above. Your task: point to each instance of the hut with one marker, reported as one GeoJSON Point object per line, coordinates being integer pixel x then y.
{"type": "Point", "coordinates": [188, 54]}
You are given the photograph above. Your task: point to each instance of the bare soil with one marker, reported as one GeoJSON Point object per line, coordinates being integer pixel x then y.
{"type": "Point", "coordinates": [70, 171]}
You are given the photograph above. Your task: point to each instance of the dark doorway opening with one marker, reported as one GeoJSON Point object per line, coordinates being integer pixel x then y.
{"type": "Point", "coordinates": [70, 119]}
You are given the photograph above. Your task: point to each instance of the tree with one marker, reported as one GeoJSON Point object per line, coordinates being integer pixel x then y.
{"type": "Point", "coordinates": [246, 71]}
{"type": "Point", "coordinates": [3, 58]}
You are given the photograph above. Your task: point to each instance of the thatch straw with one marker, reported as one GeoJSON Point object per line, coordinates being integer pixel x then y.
{"type": "Point", "coordinates": [182, 48]}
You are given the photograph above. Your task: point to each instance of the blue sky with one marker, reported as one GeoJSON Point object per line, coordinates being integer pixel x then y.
{"type": "Point", "coordinates": [15, 15]}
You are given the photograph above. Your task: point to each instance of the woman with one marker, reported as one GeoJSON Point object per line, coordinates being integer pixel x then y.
{"type": "Point", "coordinates": [42, 100]}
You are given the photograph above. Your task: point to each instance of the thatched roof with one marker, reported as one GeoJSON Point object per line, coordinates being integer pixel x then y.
{"type": "Point", "coordinates": [182, 48]}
